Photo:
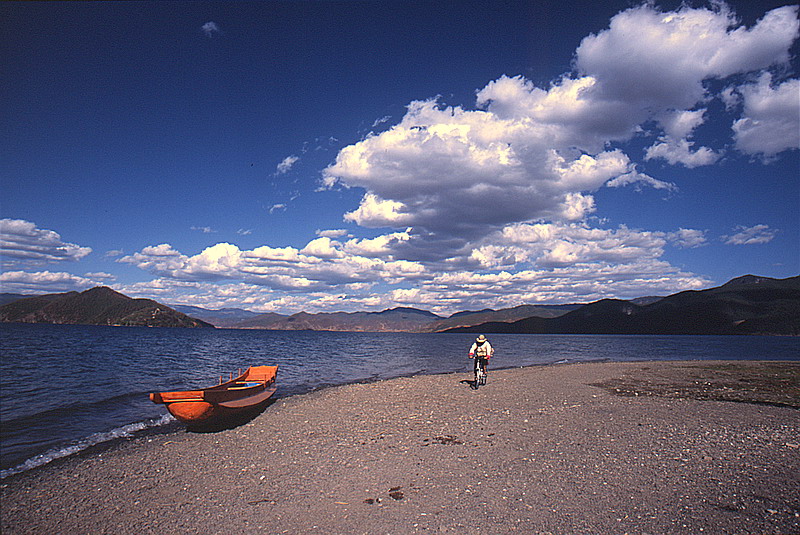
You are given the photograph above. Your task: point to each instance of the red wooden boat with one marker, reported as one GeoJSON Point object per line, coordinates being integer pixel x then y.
{"type": "Point", "coordinates": [247, 392]}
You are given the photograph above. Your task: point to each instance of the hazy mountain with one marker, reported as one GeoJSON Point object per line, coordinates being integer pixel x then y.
{"type": "Point", "coordinates": [224, 317]}
{"type": "Point", "coordinates": [6, 298]}
{"type": "Point", "coordinates": [506, 315]}
{"type": "Point", "coordinates": [98, 306]}
{"type": "Point", "coordinates": [470, 312]}
{"type": "Point", "coordinates": [391, 320]}
{"type": "Point", "coordinates": [746, 305]}
{"type": "Point", "coordinates": [259, 321]}
{"type": "Point", "coordinates": [397, 319]}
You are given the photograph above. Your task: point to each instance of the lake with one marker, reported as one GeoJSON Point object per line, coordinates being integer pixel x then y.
{"type": "Point", "coordinates": [64, 388]}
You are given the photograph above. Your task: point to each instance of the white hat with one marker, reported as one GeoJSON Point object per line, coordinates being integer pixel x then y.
{"type": "Point", "coordinates": [481, 338]}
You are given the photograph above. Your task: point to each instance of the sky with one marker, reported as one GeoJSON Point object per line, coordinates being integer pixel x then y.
{"type": "Point", "coordinates": [356, 155]}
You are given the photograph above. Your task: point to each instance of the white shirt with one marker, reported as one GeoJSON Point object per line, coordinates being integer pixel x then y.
{"type": "Point", "coordinates": [489, 349]}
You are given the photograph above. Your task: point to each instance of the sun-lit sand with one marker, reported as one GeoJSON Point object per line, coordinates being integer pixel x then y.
{"type": "Point", "coordinates": [538, 450]}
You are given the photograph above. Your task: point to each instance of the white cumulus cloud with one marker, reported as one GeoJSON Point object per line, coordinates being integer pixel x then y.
{"type": "Point", "coordinates": [675, 145]}
{"type": "Point", "coordinates": [332, 233]}
{"type": "Point", "coordinates": [40, 282]}
{"type": "Point", "coordinates": [771, 120]}
{"type": "Point", "coordinates": [491, 204]}
{"type": "Point", "coordinates": [686, 238]}
{"type": "Point", "coordinates": [22, 242]}
{"type": "Point", "coordinates": [530, 153]}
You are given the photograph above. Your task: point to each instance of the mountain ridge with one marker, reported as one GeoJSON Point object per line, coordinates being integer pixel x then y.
{"type": "Point", "coordinates": [223, 317]}
{"type": "Point", "coordinates": [97, 306]}
{"type": "Point", "coordinates": [748, 304]}
{"type": "Point", "coordinates": [745, 305]}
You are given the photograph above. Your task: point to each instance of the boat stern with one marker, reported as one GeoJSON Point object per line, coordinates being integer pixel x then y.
{"type": "Point", "coordinates": [192, 412]}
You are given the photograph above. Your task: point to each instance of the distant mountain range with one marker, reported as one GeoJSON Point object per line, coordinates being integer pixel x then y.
{"type": "Point", "coordinates": [98, 306]}
{"type": "Point", "coordinates": [399, 319]}
{"type": "Point", "coordinates": [392, 320]}
{"type": "Point", "coordinates": [505, 315]}
{"type": "Point", "coordinates": [745, 305]}
{"type": "Point", "coordinates": [224, 317]}
{"type": "Point", "coordinates": [10, 298]}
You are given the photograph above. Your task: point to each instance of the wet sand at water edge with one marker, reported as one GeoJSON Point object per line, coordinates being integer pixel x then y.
{"type": "Point", "coordinates": [644, 447]}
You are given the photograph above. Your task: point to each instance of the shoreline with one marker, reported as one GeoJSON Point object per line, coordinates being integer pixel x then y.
{"type": "Point", "coordinates": [151, 429]}
{"type": "Point", "coordinates": [175, 426]}
{"type": "Point", "coordinates": [551, 448]}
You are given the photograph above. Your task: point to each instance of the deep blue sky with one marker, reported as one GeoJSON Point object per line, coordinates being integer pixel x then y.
{"type": "Point", "coordinates": [141, 147]}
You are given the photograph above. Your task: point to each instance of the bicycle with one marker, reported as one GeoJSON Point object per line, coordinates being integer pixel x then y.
{"type": "Point", "coordinates": [480, 372]}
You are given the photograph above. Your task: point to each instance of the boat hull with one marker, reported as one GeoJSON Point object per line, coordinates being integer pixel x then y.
{"type": "Point", "coordinates": [216, 405]}
{"type": "Point", "coordinates": [191, 411]}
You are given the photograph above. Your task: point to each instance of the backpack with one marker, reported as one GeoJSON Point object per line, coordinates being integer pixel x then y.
{"type": "Point", "coordinates": [482, 351]}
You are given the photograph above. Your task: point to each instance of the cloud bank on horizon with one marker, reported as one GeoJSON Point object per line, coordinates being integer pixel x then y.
{"type": "Point", "coordinates": [493, 205]}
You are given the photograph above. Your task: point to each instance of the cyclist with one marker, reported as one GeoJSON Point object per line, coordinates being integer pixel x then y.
{"type": "Point", "coordinates": [481, 351]}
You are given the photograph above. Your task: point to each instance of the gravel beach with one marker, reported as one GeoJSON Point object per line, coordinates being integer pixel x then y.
{"type": "Point", "coordinates": [644, 447]}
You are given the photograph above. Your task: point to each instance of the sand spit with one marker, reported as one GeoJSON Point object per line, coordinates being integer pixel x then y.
{"type": "Point", "coordinates": [581, 448]}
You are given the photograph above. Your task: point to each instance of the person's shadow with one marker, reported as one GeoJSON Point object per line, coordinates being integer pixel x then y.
{"type": "Point", "coordinates": [472, 384]}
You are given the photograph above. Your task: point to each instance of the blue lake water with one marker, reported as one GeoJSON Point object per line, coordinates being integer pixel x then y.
{"type": "Point", "coordinates": [64, 388]}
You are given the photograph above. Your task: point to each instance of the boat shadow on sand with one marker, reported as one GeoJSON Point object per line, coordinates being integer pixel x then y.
{"type": "Point", "coordinates": [232, 421]}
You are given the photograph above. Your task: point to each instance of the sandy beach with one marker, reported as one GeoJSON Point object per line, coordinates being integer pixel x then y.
{"type": "Point", "coordinates": [645, 447]}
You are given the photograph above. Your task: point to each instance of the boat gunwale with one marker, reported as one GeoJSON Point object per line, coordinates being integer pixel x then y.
{"type": "Point", "coordinates": [217, 392]}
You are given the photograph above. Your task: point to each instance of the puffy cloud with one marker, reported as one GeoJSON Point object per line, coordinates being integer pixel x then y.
{"type": "Point", "coordinates": [659, 61]}
{"type": "Point", "coordinates": [158, 259]}
{"type": "Point", "coordinates": [687, 238]}
{"type": "Point", "coordinates": [576, 206]}
{"type": "Point", "coordinates": [385, 245]}
{"type": "Point", "coordinates": [771, 120]}
{"type": "Point", "coordinates": [591, 281]}
{"type": "Point", "coordinates": [638, 179]}
{"type": "Point", "coordinates": [376, 212]}
{"type": "Point", "coordinates": [322, 247]}
{"type": "Point", "coordinates": [549, 245]}
{"type": "Point", "coordinates": [523, 262]}
{"type": "Point", "coordinates": [529, 153]}
{"type": "Point", "coordinates": [755, 235]}
{"type": "Point", "coordinates": [332, 233]}
{"type": "Point", "coordinates": [47, 282]}
{"type": "Point", "coordinates": [444, 292]}
{"type": "Point", "coordinates": [681, 123]}
{"type": "Point", "coordinates": [322, 264]}
{"type": "Point", "coordinates": [211, 295]}
{"type": "Point", "coordinates": [730, 98]}
{"type": "Point", "coordinates": [675, 147]}
{"type": "Point", "coordinates": [101, 275]}
{"type": "Point", "coordinates": [22, 242]}
{"type": "Point", "coordinates": [677, 151]}
{"type": "Point", "coordinates": [215, 261]}
{"type": "Point", "coordinates": [456, 173]}
{"type": "Point", "coordinates": [490, 205]}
